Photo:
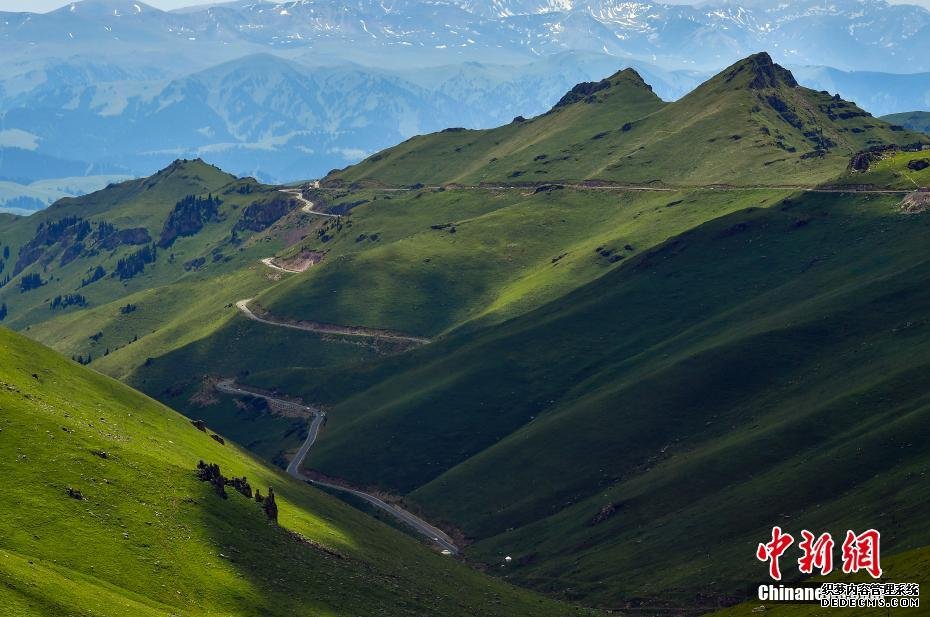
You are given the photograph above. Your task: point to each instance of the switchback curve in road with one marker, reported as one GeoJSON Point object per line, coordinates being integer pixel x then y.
{"type": "Point", "coordinates": [294, 470]}
{"type": "Point", "coordinates": [269, 261]}
{"type": "Point", "coordinates": [307, 204]}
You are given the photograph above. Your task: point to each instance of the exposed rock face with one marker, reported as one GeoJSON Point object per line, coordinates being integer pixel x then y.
{"type": "Point", "coordinates": [188, 218]}
{"type": "Point", "coordinates": [916, 202]}
{"type": "Point", "coordinates": [584, 91]}
{"type": "Point", "coordinates": [73, 237]}
{"type": "Point", "coordinates": [134, 236]}
{"type": "Point", "coordinates": [263, 214]}
{"type": "Point", "coordinates": [765, 73]}
{"type": "Point", "coordinates": [860, 162]}
{"type": "Point", "coordinates": [604, 513]}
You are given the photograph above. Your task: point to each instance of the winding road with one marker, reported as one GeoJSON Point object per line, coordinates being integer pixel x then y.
{"type": "Point", "coordinates": [307, 204]}
{"type": "Point", "coordinates": [310, 326]}
{"type": "Point", "coordinates": [269, 261]}
{"type": "Point", "coordinates": [318, 418]}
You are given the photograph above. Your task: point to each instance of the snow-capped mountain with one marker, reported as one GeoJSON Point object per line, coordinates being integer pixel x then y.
{"type": "Point", "coordinates": [288, 90]}
{"type": "Point", "coordinates": [846, 34]}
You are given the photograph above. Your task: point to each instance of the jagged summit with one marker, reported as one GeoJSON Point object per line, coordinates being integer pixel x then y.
{"type": "Point", "coordinates": [594, 91]}
{"type": "Point", "coordinates": [761, 72]}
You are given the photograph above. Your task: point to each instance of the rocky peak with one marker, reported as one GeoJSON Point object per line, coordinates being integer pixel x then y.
{"type": "Point", "coordinates": [762, 72]}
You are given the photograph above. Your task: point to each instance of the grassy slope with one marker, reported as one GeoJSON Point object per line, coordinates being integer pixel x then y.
{"type": "Point", "coordinates": [143, 203]}
{"type": "Point", "coordinates": [175, 309]}
{"type": "Point", "coordinates": [511, 251]}
{"type": "Point", "coordinates": [149, 539]}
{"type": "Point", "coordinates": [463, 155]}
{"type": "Point", "coordinates": [912, 120]}
{"type": "Point", "coordinates": [749, 125]}
{"type": "Point", "coordinates": [765, 341]}
{"type": "Point", "coordinates": [444, 419]}
{"type": "Point", "coordinates": [891, 171]}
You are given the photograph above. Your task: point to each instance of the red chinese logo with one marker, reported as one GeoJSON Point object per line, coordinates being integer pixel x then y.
{"type": "Point", "coordinates": [860, 552]}
{"type": "Point", "coordinates": [817, 553]}
{"type": "Point", "coordinates": [773, 550]}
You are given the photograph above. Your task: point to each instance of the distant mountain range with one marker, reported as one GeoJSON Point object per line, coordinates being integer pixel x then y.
{"type": "Point", "coordinates": [847, 34]}
{"type": "Point", "coordinates": [287, 91]}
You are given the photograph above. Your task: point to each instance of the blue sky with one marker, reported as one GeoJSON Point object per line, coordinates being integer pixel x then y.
{"type": "Point", "coordinates": [48, 5]}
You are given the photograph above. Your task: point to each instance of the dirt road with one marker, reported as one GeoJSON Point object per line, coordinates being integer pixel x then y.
{"type": "Point", "coordinates": [318, 418]}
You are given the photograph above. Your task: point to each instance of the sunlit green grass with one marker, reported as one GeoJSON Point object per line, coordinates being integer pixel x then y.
{"type": "Point", "coordinates": [697, 386]}
{"type": "Point", "coordinates": [511, 251]}
{"type": "Point", "coordinates": [149, 538]}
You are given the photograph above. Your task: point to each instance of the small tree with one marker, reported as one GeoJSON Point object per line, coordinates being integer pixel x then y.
{"type": "Point", "coordinates": [270, 507]}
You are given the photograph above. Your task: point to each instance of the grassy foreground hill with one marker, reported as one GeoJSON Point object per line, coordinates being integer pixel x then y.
{"type": "Point", "coordinates": [106, 516]}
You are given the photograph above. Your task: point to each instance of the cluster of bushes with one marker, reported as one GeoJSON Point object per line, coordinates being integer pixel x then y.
{"type": "Point", "coordinates": [134, 264]}
{"type": "Point", "coordinates": [210, 472]}
{"type": "Point", "coordinates": [63, 302]}
{"type": "Point", "coordinates": [129, 308]}
{"type": "Point", "coordinates": [3, 311]}
{"type": "Point", "coordinates": [95, 276]}
{"type": "Point", "coordinates": [29, 282]}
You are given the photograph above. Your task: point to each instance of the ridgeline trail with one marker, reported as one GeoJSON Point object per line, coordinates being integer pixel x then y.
{"type": "Point", "coordinates": [294, 468]}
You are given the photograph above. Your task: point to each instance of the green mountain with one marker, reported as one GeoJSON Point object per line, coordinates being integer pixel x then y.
{"type": "Point", "coordinates": [912, 120]}
{"type": "Point", "coordinates": [107, 516]}
{"type": "Point", "coordinates": [123, 276]}
{"type": "Point", "coordinates": [620, 372]}
{"type": "Point", "coordinates": [662, 417]}
{"type": "Point", "coordinates": [626, 383]}
{"type": "Point", "coordinates": [140, 234]}
{"type": "Point", "coordinates": [750, 125]}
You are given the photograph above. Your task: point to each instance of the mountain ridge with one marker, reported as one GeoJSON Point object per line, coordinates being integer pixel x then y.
{"type": "Point", "coordinates": [790, 131]}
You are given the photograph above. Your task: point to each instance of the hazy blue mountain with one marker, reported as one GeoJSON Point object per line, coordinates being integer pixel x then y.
{"type": "Point", "coordinates": [880, 93]}
{"type": "Point", "coordinates": [282, 120]}
{"type": "Point", "coordinates": [289, 90]}
{"type": "Point", "coordinates": [913, 120]}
